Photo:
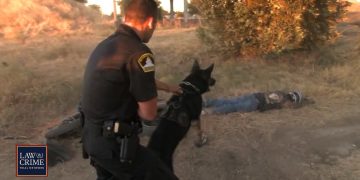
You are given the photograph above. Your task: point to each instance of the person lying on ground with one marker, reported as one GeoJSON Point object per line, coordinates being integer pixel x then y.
{"type": "Point", "coordinates": [260, 101]}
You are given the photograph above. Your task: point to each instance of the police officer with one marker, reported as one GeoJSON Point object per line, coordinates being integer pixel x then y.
{"type": "Point", "coordinates": [119, 91]}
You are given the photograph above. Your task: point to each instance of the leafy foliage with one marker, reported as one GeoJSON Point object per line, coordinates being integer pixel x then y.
{"type": "Point", "coordinates": [192, 9]}
{"type": "Point", "coordinates": [253, 27]}
{"type": "Point", "coordinates": [95, 7]}
{"type": "Point", "coordinates": [81, 1]}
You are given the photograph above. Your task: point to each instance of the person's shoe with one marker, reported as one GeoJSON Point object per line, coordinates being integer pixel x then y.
{"type": "Point", "coordinates": [207, 111]}
{"type": "Point", "coordinates": [296, 96]}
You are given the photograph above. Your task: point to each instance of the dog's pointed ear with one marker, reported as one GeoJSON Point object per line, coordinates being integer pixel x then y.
{"type": "Point", "coordinates": [209, 69]}
{"type": "Point", "coordinates": [195, 67]}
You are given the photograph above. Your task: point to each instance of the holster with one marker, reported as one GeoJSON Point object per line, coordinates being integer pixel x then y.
{"type": "Point", "coordinates": [128, 148]}
{"type": "Point", "coordinates": [117, 128]}
{"type": "Point", "coordinates": [126, 136]}
{"type": "Point", "coordinates": [85, 155]}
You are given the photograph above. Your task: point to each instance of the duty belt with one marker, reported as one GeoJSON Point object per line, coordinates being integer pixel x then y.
{"type": "Point", "coordinates": [119, 128]}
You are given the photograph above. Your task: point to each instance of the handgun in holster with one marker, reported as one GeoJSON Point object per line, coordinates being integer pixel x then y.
{"type": "Point", "coordinates": [126, 136]}
{"type": "Point", "coordinates": [128, 148]}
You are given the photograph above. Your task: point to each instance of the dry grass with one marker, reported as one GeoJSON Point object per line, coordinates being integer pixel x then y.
{"type": "Point", "coordinates": [23, 19]}
{"type": "Point", "coordinates": [42, 80]}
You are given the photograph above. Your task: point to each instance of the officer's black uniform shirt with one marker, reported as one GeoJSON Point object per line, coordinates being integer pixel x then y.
{"type": "Point", "coordinates": [120, 72]}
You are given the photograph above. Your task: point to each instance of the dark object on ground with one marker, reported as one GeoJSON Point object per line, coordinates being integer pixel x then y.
{"type": "Point", "coordinates": [69, 125]}
{"type": "Point", "coordinates": [57, 152]}
{"type": "Point", "coordinates": [175, 120]}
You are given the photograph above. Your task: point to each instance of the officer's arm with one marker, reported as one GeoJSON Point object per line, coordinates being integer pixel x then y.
{"type": "Point", "coordinates": [162, 86]}
{"type": "Point", "coordinates": [148, 109]}
{"type": "Point", "coordinates": [143, 84]}
{"type": "Point", "coordinates": [167, 88]}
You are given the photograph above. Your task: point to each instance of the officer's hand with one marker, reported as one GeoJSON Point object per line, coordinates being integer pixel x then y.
{"type": "Point", "coordinates": [175, 89]}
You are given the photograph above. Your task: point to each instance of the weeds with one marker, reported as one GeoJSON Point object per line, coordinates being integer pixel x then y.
{"type": "Point", "coordinates": [42, 83]}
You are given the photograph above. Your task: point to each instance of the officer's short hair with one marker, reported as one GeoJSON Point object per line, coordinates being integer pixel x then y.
{"type": "Point", "coordinates": [140, 10]}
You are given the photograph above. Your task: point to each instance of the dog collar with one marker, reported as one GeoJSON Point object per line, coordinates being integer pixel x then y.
{"type": "Point", "coordinates": [186, 83]}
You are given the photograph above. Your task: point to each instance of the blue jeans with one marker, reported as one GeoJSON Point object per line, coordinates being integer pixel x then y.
{"type": "Point", "coordinates": [245, 103]}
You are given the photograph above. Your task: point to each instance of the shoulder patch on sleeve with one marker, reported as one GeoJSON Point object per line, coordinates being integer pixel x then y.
{"type": "Point", "coordinates": [146, 62]}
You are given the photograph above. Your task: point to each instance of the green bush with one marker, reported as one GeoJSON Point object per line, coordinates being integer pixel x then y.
{"type": "Point", "coordinates": [255, 27]}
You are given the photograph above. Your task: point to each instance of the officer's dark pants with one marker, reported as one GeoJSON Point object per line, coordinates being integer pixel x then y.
{"type": "Point", "coordinates": [146, 166]}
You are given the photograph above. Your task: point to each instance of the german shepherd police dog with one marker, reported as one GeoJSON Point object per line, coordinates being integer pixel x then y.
{"type": "Point", "coordinates": [181, 110]}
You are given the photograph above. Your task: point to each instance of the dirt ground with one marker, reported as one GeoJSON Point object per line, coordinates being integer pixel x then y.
{"type": "Point", "coordinates": [316, 142]}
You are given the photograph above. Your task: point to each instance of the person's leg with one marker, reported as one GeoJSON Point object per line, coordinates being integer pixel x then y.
{"type": "Point", "coordinates": [247, 104]}
{"type": "Point", "coordinates": [225, 101]}
{"type": "Point", "coordinates": [244, 103]}
{"type": "Point", "coordinates": [215, 102]}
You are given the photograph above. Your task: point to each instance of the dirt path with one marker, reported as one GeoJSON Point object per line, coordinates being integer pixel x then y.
{"type": "Point", "coordinates": [272, 146]}
{"type": "Point", "coordinates": [317, 142]}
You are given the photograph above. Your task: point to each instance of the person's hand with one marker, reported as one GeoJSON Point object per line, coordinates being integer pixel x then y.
{"type": "Point", "coordinates": [168, 88]}
{"type": "Point", "coordinates": [175, 89]}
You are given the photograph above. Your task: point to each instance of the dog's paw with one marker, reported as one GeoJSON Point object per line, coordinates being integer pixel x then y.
{"type": "Point", "coordinates": [203, 139]}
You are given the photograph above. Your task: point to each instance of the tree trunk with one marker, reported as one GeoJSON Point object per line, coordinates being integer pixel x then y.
{"type": "Point", "coordinates": [186, 14]}
{"type": "Point", "coordinates": [172, 14]}
{"type": "Point", "coordinates": [115, 13]}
